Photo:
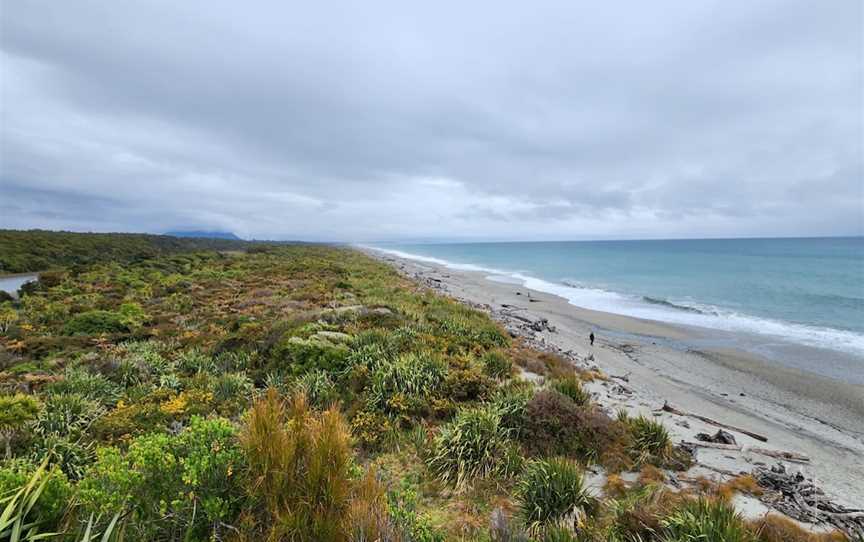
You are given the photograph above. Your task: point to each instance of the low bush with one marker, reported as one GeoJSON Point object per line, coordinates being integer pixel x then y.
{"type": "Point", "coordinates": [705, 519]}
{"type": "Point", "coordinates": [318, 387]}
{"type": "Point", "coordinates": [552, 491]}
{"type": "Point", "coordinates": [67, 414]}
{"type": "Point", "coordinates": [235, 388]}
{"type": "Point", "coordinates": [649, 438]}
{"type": "Point", "coordinates": [571, 387]}
{"type": "Point", "coordinates": [95, 322]}
{"type": "Point", "coordinates": [170, 487]}
{"type": "Point", "coordinates": [300, 356]}
{"type": "Point", "coordinates": [411, 379]}
{"type": "Point", "coordinates": [473, 445]}
{"type": "Point", "coordinates": [16, 412]}
{"type": "Point", "coordinates": [497, 364]}
{"type": "Point", "coordinates": [467, 385]}
{"type": "Point", "coordinates": [92, 386]}
{"type": "Point", "coordinates": [50, 505]}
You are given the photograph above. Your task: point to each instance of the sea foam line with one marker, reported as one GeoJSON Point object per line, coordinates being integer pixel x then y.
{"type": "Point", "coordinates": [662, 310]}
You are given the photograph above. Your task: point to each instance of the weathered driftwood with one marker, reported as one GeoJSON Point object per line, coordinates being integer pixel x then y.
{"type": "Point", "coordinates": [780, 454]}
{"type": "Point", "coordinates": [799, 498]}
{"type": "Point", "coordinates": [720, 437]}
{"type": "Point", "coordinates": [714, 445]}
{"type": "Point", "coordinates": [669, 408]}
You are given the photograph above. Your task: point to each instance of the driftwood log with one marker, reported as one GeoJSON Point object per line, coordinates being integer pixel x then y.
{"type": "Point", "coordinates": [669, 408]}
{"type": "Point", "coordinates": [799, 498]}
{"type": "Point", "coordinates": [780, 454]}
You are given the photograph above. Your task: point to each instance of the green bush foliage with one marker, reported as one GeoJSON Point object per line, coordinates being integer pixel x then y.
{"type": "Point", "coordinates": [473, 445]}
{"type": "Point", "coordinates": [571, 387]}
{"type": "Point", "coordinates": [51, 504]}
{"type": "Point", "coordinates": [300, 356]}
{"type": "Point", "coordinates": [706, 519]}
{"type": "Point", "coordinates": [552, 491]}
{"type": "Point", "coordinates": [95, 322]}
{"type": "Point", "coordinates": [403, 385]}
{"type": "Point", "coordinates": [169, 486]}
{"type": "Point", "coordinates": [497, 364]}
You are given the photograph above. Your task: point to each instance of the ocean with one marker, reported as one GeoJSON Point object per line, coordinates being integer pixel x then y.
{"type": "Point", "coordinates": [782, 292]}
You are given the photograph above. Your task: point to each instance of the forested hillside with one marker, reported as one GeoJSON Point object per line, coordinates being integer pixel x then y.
{"type": "Point", "coordinates": [37, 250]}
{"type": "Point", "coordinates": [309, 393]}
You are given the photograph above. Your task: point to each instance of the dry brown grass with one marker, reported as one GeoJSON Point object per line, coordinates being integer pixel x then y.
{"type": "Point", "coordinates": [615, 486]}
{"type": "Point", "coordinates": [298, 467]}
{"type": "Point", "coordinates": [649, 474]}
{"type": "Point", "coordinates": [742, 484]}
{"type": "Point", "coordinates": [776, 528]}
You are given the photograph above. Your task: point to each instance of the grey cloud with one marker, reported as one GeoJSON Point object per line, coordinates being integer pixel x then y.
{"type": "Point", "coordinates": [324, 122]}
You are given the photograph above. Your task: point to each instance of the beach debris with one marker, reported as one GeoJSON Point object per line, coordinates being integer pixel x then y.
{"type": "Point", "coordinates": [625, 377]}
{"type": "Point", "coordinates": [713, 445]}
{"type": "Point", "coordinates": [669, 408]}
{"type": "Point", "coordinates": [799, 498]}
{"type": "Point", "coordinates": [780, 454]}
{"type": "Point", "coordinates": [720, 437]}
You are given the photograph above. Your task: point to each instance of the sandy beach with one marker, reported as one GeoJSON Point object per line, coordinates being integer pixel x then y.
{"type": "Point", "coordinates": [816, 417]}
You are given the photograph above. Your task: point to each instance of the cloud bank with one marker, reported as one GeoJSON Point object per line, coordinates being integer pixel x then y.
{"type": "Point", "coordinates": [374, 121]}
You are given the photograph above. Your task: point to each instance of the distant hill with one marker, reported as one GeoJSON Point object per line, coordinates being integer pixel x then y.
{"type": "Point", "coordinates": [205, 235]}
{"type": "Point", "coordinates": [38, 250]}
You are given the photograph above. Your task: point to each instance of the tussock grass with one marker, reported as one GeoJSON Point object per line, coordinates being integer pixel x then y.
{"type": "Point", "coordinates": [474, 445]}
{"type": "Point", "coordinates": [550, 491]}
{"type": "Point", "coordinates": [299, 467]}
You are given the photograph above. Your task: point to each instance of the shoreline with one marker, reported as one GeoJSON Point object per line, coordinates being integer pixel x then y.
{"type": "Point", "coordinates": [798, 412]}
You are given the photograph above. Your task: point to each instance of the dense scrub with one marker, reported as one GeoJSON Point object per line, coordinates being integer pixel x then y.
{"type": "Point", "coordinates": [36, 250]}
{"type": "Point", "coordinates": [309, 393]}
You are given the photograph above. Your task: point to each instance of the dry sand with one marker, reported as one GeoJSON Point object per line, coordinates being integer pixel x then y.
{"type": "Point", "coordinates": [796, 411]}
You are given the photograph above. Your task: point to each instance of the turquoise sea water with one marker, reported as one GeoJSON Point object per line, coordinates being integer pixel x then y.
{"type": "Point", "coordinates": [801, 291]}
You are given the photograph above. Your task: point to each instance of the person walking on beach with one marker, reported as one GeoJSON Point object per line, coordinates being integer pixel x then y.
{"type": "Point", "coordinates": [591, 338]}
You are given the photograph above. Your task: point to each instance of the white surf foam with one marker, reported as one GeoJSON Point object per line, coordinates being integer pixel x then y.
{"type": "Point", "coordinates": [706, 316]}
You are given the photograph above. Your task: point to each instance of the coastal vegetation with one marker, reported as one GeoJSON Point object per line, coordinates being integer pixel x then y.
{"type": "Point", "coordinates": [300, 392]}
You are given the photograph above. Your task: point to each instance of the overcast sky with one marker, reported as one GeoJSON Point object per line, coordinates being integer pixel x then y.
{"type": "Point", "coordinates": [368, 121]}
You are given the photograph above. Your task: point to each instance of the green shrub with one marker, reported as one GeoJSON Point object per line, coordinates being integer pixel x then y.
{"type": "Point", "coordinates": [94, 323]}
{"type": "Point", "coordinates": [551, 491]}
{"type": "Point", "coordinates": [511, 401]}
{"type": "Point", "coordinates": [132, 315]}
{"type": "Point", "coordinates": [194, 361]}
{"type": "Point", "coordinates": [553, 424]}
{"type": "Point", "coordinates": [497, 364]}
{"type": "Point", "coordinates": [67, 414]}
{"type": "Point", "coordinates": [187, 484]}
{"type": "Point", "coordinates": [413, 526]}
{"type": "Point", "coordinates": [570, 386]}
{"type": "Point", "coordinates": [232, 388]}
{"type": "Point", "coordinates": [411, 377]}
{"type": "Point", "coordinates": [300, 356]}
{"type": "Point", "coordinates": [649, 437]}
{"type": "Point", "coordinates": [92, 386]}
{"type": "Point", "coordinates": [705, 519]}
{"type": "Point", "coordinates": [473, 445]}
{"type": "Point", "coordinates": [71, 454]}
{"type": "Point", "coordinates": [16, 411]}
{"type": "Point", "coordinates": [51, 503]}
{"type": "Point", "coordinates": [318, 388]}
{"type": "Point", "coordinates": [467, 385]}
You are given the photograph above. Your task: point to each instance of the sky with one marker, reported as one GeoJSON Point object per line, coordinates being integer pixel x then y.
{"type": "Point", "coordinates": [449, 121]}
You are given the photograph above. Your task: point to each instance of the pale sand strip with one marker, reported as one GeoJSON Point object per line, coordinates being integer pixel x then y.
{"type": "Point", "coordinates": [798, 412]}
